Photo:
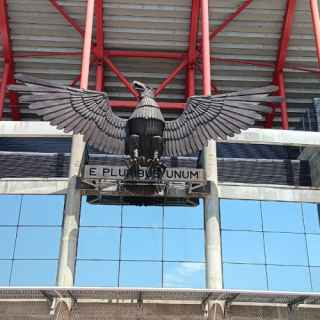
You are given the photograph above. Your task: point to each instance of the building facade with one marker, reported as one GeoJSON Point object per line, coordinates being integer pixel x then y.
{"type": "Point", "coordinates": [247, 249]}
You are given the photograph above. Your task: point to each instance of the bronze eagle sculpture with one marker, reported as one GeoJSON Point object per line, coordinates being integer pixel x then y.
{"type": "Point", "coordinates": [145, 136]}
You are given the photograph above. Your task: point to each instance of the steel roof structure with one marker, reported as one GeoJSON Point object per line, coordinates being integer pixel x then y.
{"type": "Point", "coordinates": [253, 43]}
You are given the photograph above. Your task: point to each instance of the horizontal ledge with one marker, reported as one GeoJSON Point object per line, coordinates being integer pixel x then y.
{"type": "Point", "coordinates": [244, 191]}
{"type": "Point", "coordinates": [42, 129]}
{"type": "Point", "coordinates": [34, 186]}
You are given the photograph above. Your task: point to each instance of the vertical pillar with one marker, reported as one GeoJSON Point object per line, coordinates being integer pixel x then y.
{"type": "Point", "coordinates": [70, 231]}
{"type": "Point", "coordinates": [211, 204]}
{"type": "Point", "coordinates": [316, 25]}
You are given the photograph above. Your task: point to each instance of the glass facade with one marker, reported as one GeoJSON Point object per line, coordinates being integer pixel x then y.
{"type": "Point", "coordinates": [269, 245]}
{"type": "Point", "coordinates": [266, 245]}
{"type": "Point", "coordinates": [140, 246]}
{"type": "Point", "coordinates": [30, 229]}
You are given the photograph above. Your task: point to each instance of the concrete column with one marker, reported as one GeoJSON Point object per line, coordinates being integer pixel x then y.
{"type": "Point", "coordinates": [71, 221]}
{"type": "Point", "coordinates": [212, 221]}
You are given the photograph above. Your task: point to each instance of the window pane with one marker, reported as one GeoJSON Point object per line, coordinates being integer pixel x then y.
{"type": "Point", "coordinates": [7, 239]}
{"type": "Point", "coordinates": [38, 243]}
{"type": "Point", "coordinates": [184, 217]}
{"type": "Point", "coordinates": [315, 278]}
{"type": "Point", "coordinates": [183, 245]}
{"type": "Point", "coordinates": [311, 217]}
{"type": "Point", "coordinates": [288, 278]}
{"type": "Point", "coordinates": [34, 273]}
{"type": "Point", "coordinates": [97, 273]}
{"type": "Point", "coordinates": [99, 215]}
{"type": "Point", "coordinates": [140, 274]}
{"type": "Point", "coordinates": [314, 249]}
{"type": "Point", "coordinates": [244, 277]}
{"type": "Point", "coordinates": [184, 275]}
{"type": "Point", "coordinates": [141, 244]}
{"type": "Point", "coordinates": [5, 267]}
{"type": "Point", "coordinates": [10, 206]}
{"type": "Point", "coordinates": [287, 249]}
{"type": "Point", "coordinates": [282, 216]}
{"type": "Point", "coordinates": [142, 216]}
{"type": "Point", "coordinates": [42, 210]}
{"type": "Point", "coordinates": [240, 215]}
{"type": "Point", "coordinates": [242, 247]}
{"type": "Point", "coordinates": [99, 243]}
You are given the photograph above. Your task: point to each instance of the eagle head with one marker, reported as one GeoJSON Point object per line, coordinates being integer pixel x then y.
{"type": "Point", "coordinates": [143, 90]}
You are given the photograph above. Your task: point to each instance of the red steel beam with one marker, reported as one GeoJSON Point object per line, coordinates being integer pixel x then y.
{"type": "Point", "coordinates": [145, 54]}
{"type": "Point", "coordinates": [278, 77]}
{"type": "Point", "coordinates": [206, 67]}
{"type": "Point", "coordinates": [121, 77]}
{"type": "Point", "coordinates": [171, 77]}
{"type": "Point", "coordinates": [3, 88]}
{"type": "Point", "coordinates": [285, 36]}
{"type": "Point", "coordinates": [67, 17]}
{"type": "Point", "coordinates": [99, 46]}
{"type": "Point", "coordinates": [192, 51]}
{"type": "Point", "coordinates": [283, 104]}
{"type": "Point", "coordinates": [230, 18]}
{"type": "Point", "coordinates": [316, 25]}
{"type": "Point", "coordinates": [9, 64]}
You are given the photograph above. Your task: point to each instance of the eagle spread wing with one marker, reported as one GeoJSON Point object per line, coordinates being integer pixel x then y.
{"type": "Point", "coordinates": [80, 111]}
{"type": "Point", "coordinates": [215, 117]}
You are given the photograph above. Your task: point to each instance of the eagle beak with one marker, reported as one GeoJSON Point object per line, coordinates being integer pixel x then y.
{"type": "Point", "coordinates": [139, 86]}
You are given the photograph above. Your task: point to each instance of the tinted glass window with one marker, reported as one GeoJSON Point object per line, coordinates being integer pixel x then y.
{"type": "Point", "coordinates": [243, 247]}
{"type": "Point", "coordinates": [288, 278]}
{"type": "Point", "coordinates": [97, 273]}
{"type": "Point", "coordinates": [184, 275]}
{"type": "Point", "coordinates": [245, 276]}
{"type": "Point", "coordinates": [99, 243]}
{"type": "Point", "coordinates": [282, 216]}
{"type": "Point", "coordinates": [141, 244]}
{"type": "Point", "coordinates": [140, 274]}
{"type": "Point", "coordinates": [240, 215]}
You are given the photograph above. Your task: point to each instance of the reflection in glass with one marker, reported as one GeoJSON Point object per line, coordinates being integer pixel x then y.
{"type": "Point", "coordinates": [183, 245]}
{"type": "Point", "coordinates": [242, 247]}
{"type": "Point", "coordinates": [99, 215]}
{"type": "Point", "coordinates": [99, 243]}
{"type": "Point", "coordinates": [311, 217]}
{"type": "Point", "coordinates": [286, 249]}
{"type": "Point", "coordinates": [313, 242]}
{"type": "Point", "coordinates": [141, 244]}
{"type": "Point", "coordinates": [282, 216]}
{"type": "Point", "coordinates": [5, 267]}
{"type": "Point", "coordinates": [142, 216]}
{"type": "Point", "coordinates": [288, 278]}
{"type": "Point", "coordinates": [38, 243]}
{"type": "Point", "coordinates": [10, 206]}
{"type": "Point", "coordinates": [140, 274]}
{"type": "Point", "coordinates": [240, 215]}
{"type": "Point", "coordinates": [315, 278]}
{"type": "Point", "coordinates": [244, 276]}
{"type": "Point", "coordinates": [97, 273]}
{"type": "Point", "coordinates": [7, 239]}
{"type": "Point", "coordinates": [42, 210]}
{"type": "Point", "coordinates": [184, 217]}
{"type": "Point", "coordinates": [34, 273]}
{"type": "Point", "coordinates": [184, 275]}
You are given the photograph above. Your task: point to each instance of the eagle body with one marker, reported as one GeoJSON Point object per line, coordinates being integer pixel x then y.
{"type": "Point", "coordinates": [145, 124]}
{"type": "Point", "coordinates": [146, 135]}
